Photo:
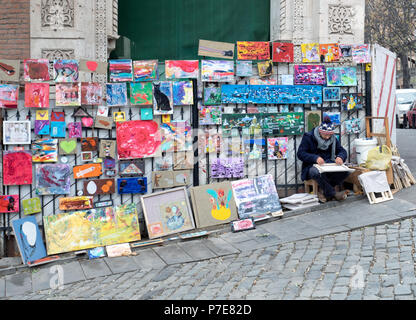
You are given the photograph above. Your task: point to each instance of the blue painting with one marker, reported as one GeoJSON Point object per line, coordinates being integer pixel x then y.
{"type": "Point", "coordinates": [29, 239]}
{"type": "Point", "coordinates": [183, 93]}
{"type": "Point", "coordinates": [58, 129]}
{"type": "Point", "coordinates": [332, 94]}
{"type": "Point", "coordinates": [146, 114]}
{"type": "Point", "coordinates": [42, 127]}
{"type": "Point", "coordinates": [341, 76]}
{"type": "Point", "coordinates": [264, 94]}
{"type": "Point", "coordinates": [132, 185]}
{"type": "Point", "coordinates": [116, 94]}
{"type": "Point", "coordinates": [95, 253]}
{"type": "Point", "coordinates": [334, 116]}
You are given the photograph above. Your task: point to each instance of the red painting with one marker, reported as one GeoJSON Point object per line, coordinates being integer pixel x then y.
{"type": "Point", "coordinates": [283, 52]}
{"type": "Point", "coordinates": [138, 139]}
{"type": "Point", "coordinates": [37, 95]}
{"type": "Point", "coordinates": [253, 50]}
{"type": "Point", "coordinates": [36, 69]}
{"type": "Point", "coordinates": [17, 168]}
{"type": "Point", "coordinates": [9, 204]}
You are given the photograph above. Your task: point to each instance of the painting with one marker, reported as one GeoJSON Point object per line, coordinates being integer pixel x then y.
{"type": "Point", "coordinates": [31, 206]}
{"type": "Point", "coordinates": [17, 168]}
{"type": "Point", "coordinates": [16, 132]}
{"type": "Point", "coordinates": [116, 94]}
{"type": "Point", "coordinates": [75, 203]}
{"type": "Point", "coordinates": [213, 204]}
{"type": "Point", "coordinates": [9, 95]}
{"type": "Point", "coordinates": [310, 74]}
{"type": "Point", "coordinates": [9, 70]}
{"type": "Point", "coordinates": [216, 49]}
{"type": "Point", "coordinates": [335, 117]}
{"type": "Point", "coordinates": [58, 129]}
{"type": "Point", "coordinates": [92, 66]}
{"type": "Point", "coordinates": [246, 124]}
{"type": "Point", "coordinates": [132, 185]}
{"type": "Point", "coordinates": [95, 253]}
{"type": "Point", "coordinates": [244, 68]}
{"type": "Point", "coordinates": [103, 122]}
{"type": "Point", "coordinates": [212, 96]}
{"type": "Point", "coordinates": [256, 197]}
{"type": "Point", "coordinates": [310, 52]}
{"type": "Point", "coordinates": [167, 212]}
{"type": "Point", "coordinates": [29, 239]}
{"type": "Point", "coordinates": [217, 71]}
{"type": "Point", "coordinates": [183, 160]}
{"type": "Point", "coordinates": [341, 76]}
{"type": "Point", "coordinates": [163, 163]}
{"type": "Point", "coordinates": [361, 53]}
{"type": "Point", "coordinates": [146, 114]}
{"type": "Point", "coordinates": [65, 70]}
{"type": "Point", "coordinates": [331, 94]}
{"type": "Point", "coordinates": [118, 250]}
{"type": "Point", "coordinates": [254, 149]}
{"type": "Point", "coordinates": [36, 69]}
{"type": "Point", "coordinates": [99, 187]}
{"type": "Point", "coordinates": [89, 144]}
{"type": "Point", "coordinates": [265, 68]}
{"type": "Point", "coordinates": [107, 149]}
{"type": "Point", "coordinates": [138, 139]}
{"type": "Point", "coordinates": [287, 79]}
{"type": "Point", "coordinates": [283, 52]}
{"type": "Point", "coordinates": [89, 170]}
{"type": "Point", "coordinates": [91, 93]}
{"type": "Point", "coordinates": [210, 115]}
{"type": "Point", "coordinates": [37, 95]}
{"type": "Point", "coordinates": [145, 70]}
{"type": "Point", "coordinates": [53, 179]}
{"type": "Point", "coordinates": [131, 168]}
{"type": "Point", "coordinates": [162, 179]}
{"type": "Point", "coordinates": [346, 50]}
{"type": "Point", "coordinates": [253, 50]}
{"type": "Point", "coordinates": [352, 126]}
{"type": "Point", "coordinates": [351, 101]}
{"type": "Point", "coordinates": [102, 111]}
{"type": "Point", "coordinates": [9, 203]}
{"type": "Point", "coordinates": [75, 129]}
{"type": "Point", "coordinates": [181, 177]}
{"type": "Point", "coordinates": [58, 116]}
{"type": "Point", "coordinates": [42, 115]}
{"type": "Point", "coordinates": [227, 168]}
{"type": "Point", "coordinates": [162, 97]}
{"type": "Point", "coordinates": [68, 146]}
{"type": "Point", "coordinates": [120, 70]}
{"type": "Point", "coordinates": [181, 69]}
{"type": "Point", "coordinates": [263, 82]}
{"type": "Point", "coordinates": [183, 93]}
{"type": "Point", "coordinates": [262, 94]}
{"type": "Point", "coordinates": [87, 229]}
{"type": "Point", "coordinates": [86, 156]}
{"type": "Point", "coordinates": [68, 94]}
{"type": "Point", "coordinates": [141, 93]}
{"type": "Point", "coordinates": [277, 148]}
{"type": "Point", "coordinates": [329, 52]}
{"type": "Point", "coordinates": [119, 116]}
{"type": "Point", "coordinates": [313, 120]}
{"type": "Point", "coordinates": [45, 150]}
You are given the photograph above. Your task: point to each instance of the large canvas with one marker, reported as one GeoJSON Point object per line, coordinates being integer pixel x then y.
{"type": "Point", "coordinates": [91, 93]}
{"type": "Point", "coordinates": [45, 150]}
{"type": "Point", "coordinates": [53, 179]}
{"type": "Point", "coordinates": [351, 101]}
{"type": "Point", "coordinates": [262, 94]}
{"type": "Point", "coordinates": [66, 70]}
{"type": "Point", "coordinates": [167, 213]}
{"type": "Point", "coordinates": [310, 74]}
{"type": "Point", "coordinates": [341, 76]}
{"type": "Point", "coordinates": [145, 70]}
{"type": "Point", "coordinates": [16, 132]}
{"type": "Point", "coordinates": [141, 93]}
{"type": "Point", "coordinates": [244, 68]}
{"type": "Point", "coordinates": [9, 203]}
{"type": "Point", "coordinates": [210, 115]}
{"type": "Point", "coordinates": [331, 94]}
{"type": "Point", "coordinates": [283, 52]}
{"type": "Point", "coordinates": [183, 93]}
{"type": "Point", "coordinates": [217, 71]}
{"type": "Point", "coordinates": [29, 239]}
{"type": "Point", "coordinates": [9, 95]}
{"type": "Point", "coordinates": [68, 94]}
{"type": "Point", "coordinates": [313, 120]}
{"type": "Point", "coordinates": [138, 139]}
{"type": "Point", "coordinates": [9, 70]}
{"type": "Point", "coordinates": [163, 97]}
{"type": "Point", "coordinates": [91, 228]}
{"type": "Point", "coordinates": [37, 95]}
{"type": "Point", "coordinates": [36, 69]}
{"type": "Point", "coordinates": [361, 53]}
{"type": "Point", "coordinates": [329, 52]}
{"type": "Point", "coordinates": [277, 148]}
{"type": "Point", "coordinates": [17, 168]}
{"type": "Point", "coordinates": [213, 204]}
{"type": "Point", "coordinates": [116, 94]}
{"type": "Point", "coordinates": [310, 52]}
{"type": "Point", "coordinates": [253, 50]}
{"type": "Point", "coordinates": [120, 70]}
{"type": "Point", "coordinates": [181, 69]}
{"type": "Point", "coordinates": [216, 49]}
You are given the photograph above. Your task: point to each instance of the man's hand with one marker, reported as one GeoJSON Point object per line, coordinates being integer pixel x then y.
{"type": "Point", "coordinates": [320, 161]}
{"type": "Point", "coordinates": [339, 161]}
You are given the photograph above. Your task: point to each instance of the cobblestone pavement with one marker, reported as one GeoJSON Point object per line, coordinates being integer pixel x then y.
{"type": "Point", "coordinates": [370, 263]}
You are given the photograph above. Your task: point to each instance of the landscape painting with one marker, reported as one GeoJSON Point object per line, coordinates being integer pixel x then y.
{"type": "Point", "coordinates": [182, 69]}
{"type": "Point", "coordinates": [217, 70]}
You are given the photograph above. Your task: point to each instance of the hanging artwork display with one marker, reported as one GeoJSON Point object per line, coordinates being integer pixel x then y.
{"type": "Point", "coordinates": [352, 126]}
{"type": "Point", "coordinates": [256, 197]}
{"type": "Point", "coordinates": [351, 101]}
{"type": "Point", "coordinates": [75, 130]}
{"type": "Point", "coordinates": [361, 53]}
{"type": "Point", "coordinates": [37, 95]}
{"type": "Point", "coordinates": [283, 52]}
{"type": "Point", "coordinates": [265, 68]}
{"type": "Point", "coordinates": [183, 93]}
{"type": "Point", "coordinates": [91, 93]}
{"type": "Point", "coordinates": [263, 82]}
{"type": "Point", "coordinates": [141, 93]}
{"type": "Point", "coordinates": [213, 204]}
{"type": "Point", "coordinates": [45, 150]}
{"type": "Point", "coordinates": [68, 146]}
{"type": "Point", "coordinates": [346, 50]}
{"type": "Point", "coordinates": [181, 69]}
{"type": "Point", "coordinates": [216, 49]}
{"type": "Point", "coordinates": [329, 52]}
{"type": "Point", "coordinates": [254, 149]}
{"type": "Point", "coordinates": [65, 70]}
{"type": "Point", "coordinates": [253, 50]}
{"type": "Point", "coordinates": [89, 144]}
{"type": "Point", "coordinates": [89, 170]}
{"type": "Point", "coordinates": [31, 206]}
{"type": "Point", "coordinates": [310, 74]}
{"type": "Point", "coordinates": [217, 70]}
{"type": "Point", "coordinates": [331, 94]}
{"type": "Point", "coordinates": [68, 94]}
{"type": "Point", "coordinates": [227, 168]}
{"type": "Point", "coordinates": [36, 69]}
{"type": "Point", "coordinates": [16, 132]}
{"type": "Point", "coordinates": [244, 68]}
{"type": "Point", "coordinates": [107, 149]}
{"type": "Point", "coordinates": [145, 70]}
{"type": "Point", "coordinates": [99, 187]}
{"type": "Point", "coordinates": [29, 239]}
{"type": "Point", "coordinates": [17, 168]}
{"type": "Point", "coordinates": [120, 70]}
{"type": "Point", "coordinates": [210, 115]}
{"type": "Point", "coordinates": [9, 203]}
{"type": "Point", "coordinates": [146, 114]}
{"type": "Point", "coordinates": [131, 168]}
{"type": "Point", "coordinates": [335, 117]}
{"type": "Point", "coordinates": [9, 70]}
{"type": "Point", "coordinates": [58, 129]}
{"type": "Point", "coordinates": [310, 52]}
{"type": "Point", "coordinates": [167, 212]}
{"type": "Point", "coordinates": [53, 179]}
{"type": "Point", "coordinates": [9, 95]}
{"type": "Point", "coordinates": [341, 76]}
{"type": "Point", "coordinates": [183, 160]}
{"type": "Point", "coordinates": [116, 94]}
{"type": "Point", "coordinates": [91, 66]}
{"type": "Point", "coordinates": [277, 148]}
{"type": "Point", "coordinates": [138, 139]}
{"type": "Point", "coordinates": [212, 96]}
{"type": "Point", "coordinates": [75, 203]}
{"type": "Point", "coordinates": [162, 97]}
{"type": "Point", "coordinates": [103, 122]}
{"type": "Point", "coordinates": [132, 185]}
{"type": "Point", "coordinates": [313, 120]}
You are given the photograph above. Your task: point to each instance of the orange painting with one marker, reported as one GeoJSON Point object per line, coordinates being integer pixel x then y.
{"type": "Point", "coordinates": [253, 50]}
{"type": "Point", "coordinates": [87, 171]}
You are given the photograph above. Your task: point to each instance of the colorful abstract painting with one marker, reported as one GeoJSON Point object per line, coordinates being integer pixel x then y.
{"type": "Point", "coordinates": [265, 68]}
{"type": "Point", "coordinates": [176, 136]}
{"type": "Point", "coordinates": [310, 52]}
{"type": "Point", "coordinates": [182, 69]}
{"type": "Point", "coordinates": [132, 185]}
{"type": "Point", "coordinates": [75, 203]}
{"type": "Point", "coordinates": [253, 50]}
{"type": "Point", "coordinates": [212, 96]}
{"type": "Point", "coordinates": [66, 70]}
{"type": "Point", "coordinates": [16, 132]}
{"type": "Point", "coordinates": [141, 93]}
{"type": "Point", "coordinates": [263, 82]}
{"type": "Point", "coordinates": [99, 186]}
{"type": "Point", "coordinates": [283, 52]}
{"type": "Point", "coordinates": [53, 179]}
{"type": "Point", "coordinates": [80, 230]}
{"type": "Point", "coordinates": [331, 94]}
{"type": "Point", "coordinates": [9, 95]}
{"type": "Point", "coordinates": [37, 95]}
{"type": "Point", "coordinates": [116, 94]}
{"type": "Point", "coordinates": [329, 52]}
{"type": "Point", "coordinates": [58, 129]}
{"type": "Point", "coordinates": [75, 130]}
{"type": "Point", "coordinates": [361, 53]}
{"type": "Point", "coordinates": [36, 69]}
{"type": "Point", "coordinates": [120, 70]}
{"type": "Point", "coordinates": [244, 68]}
{"type": "Point", "coordinates": [351, 101]}
{"type": "Point", "coordinates": [335, 117]}
{"type": "Point", "coordinates": [9, 203]}
{"type": "Point", "coordinates": [217, 70]}
{"type": "Point", "coordinates": [42, 127]}
{"type": "Point", "coordinates": [183, 93]}
{"type": "Point", "coordinates": [352, 126]}
{"type": "Point", "coordinates": [277, 148]}
{"type": "Point", "coordinates": [9, 70]}
{"type": "Point", "coordinates": [210, 115]}
{"type": "Point", "coordinates": [17, 168]}
{"type": "Point", "coordinates": [91, 93]}
{"type": "Point", "coordinates": [145, 70]}
{"type": "Point", "coordinates": [162, 97]}
{"type": "Point", "coordinates": [310, 74]}
{"type": "Point", "coordinates": [341, 76]}
{"type": "Point", "coordinates": [68, 94]}
{"type": "Point", "coordinates": [31, 206]}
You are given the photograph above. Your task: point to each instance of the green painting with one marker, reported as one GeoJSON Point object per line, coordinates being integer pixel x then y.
{"type": "Point", "coordinates": [141, 93]}
{"type": "Point", "coordinates": [31, 206]}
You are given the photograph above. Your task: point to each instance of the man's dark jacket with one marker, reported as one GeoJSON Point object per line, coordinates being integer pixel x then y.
{"type": "Point", "coordinates": [308, 152]}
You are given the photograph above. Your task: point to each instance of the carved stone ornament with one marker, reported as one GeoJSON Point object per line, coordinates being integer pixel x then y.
{"type": "Point", "coordinates": [58, 54]}
{"type": "Point", "coordinates": [340, 19]}
{"type": "Point", "coordinates": [57, 14]}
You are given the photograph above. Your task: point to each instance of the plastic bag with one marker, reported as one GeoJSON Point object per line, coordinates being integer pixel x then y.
{"type": "Point", "coordinates": [379, 158]}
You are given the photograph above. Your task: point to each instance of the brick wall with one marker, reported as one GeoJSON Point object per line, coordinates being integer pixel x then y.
{"type": "Point", "coordinates": [15, 29]}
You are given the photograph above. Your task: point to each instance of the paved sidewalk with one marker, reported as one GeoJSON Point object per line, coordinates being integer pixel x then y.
{"type": "Point", "coordinates": [161, 262]}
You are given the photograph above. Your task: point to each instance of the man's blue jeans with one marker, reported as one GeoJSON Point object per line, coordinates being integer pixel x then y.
{"type": "Point", "coordinates": [327, 181]}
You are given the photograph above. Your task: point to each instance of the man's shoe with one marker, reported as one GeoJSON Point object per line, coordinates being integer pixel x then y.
{"type": "Point", "coordinates": [322, 198]}
{"type": "Point", "coordinates": [341, 196]}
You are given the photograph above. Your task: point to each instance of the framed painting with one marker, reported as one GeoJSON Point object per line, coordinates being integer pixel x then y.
{"type": "Point", "coordinates": [244, 68]}
{"type": "Point", "coordinates": [253, 50]}
{"type": "Point", "coordinates": [9, 96]}
{"type": "Point", "coordinates": [121, 70]}
{"type": "Point", "coordinates": [53, 179]}
{"type": "Point", "coordinates": [313, 120]}
{"type": "Point", "coordinates": [341, 76]}
{"type": "Point", "coordinates": [310, 74]}
{"type": "Point", "coordinates": [91, 93]}
{"type": "Point", "coordinates": [212, 96]}
{"type": "Point", "coordinates": [99, 187]}
{"type": "Point", "coordinates": [68, 94]}
{"type": "Point", "coordinates": [9, 70]}
{"type": "Point", "coordinates": [36, 69]}
{"type": "Point", "coordinates": [116, 94]}
{"type": "Point", "coordinates": [182, 69]}
{"type": "Point", "coordinates": [75, 203]}
{"type": "Point", "coordinates": [183, 93]}
{"type": "Point", "coordinates": [45, 150]}
{"type": "Point", "coordinates": [16, 132]}
{"type": "Point", "coordinates": [66, 70]}
{"type": "Point", "coordinates": [310, 52]}
{"type": "Point", "coordinates": [145, 70]}
{"type": "Point", "coordinates": [162, 97]}
{"type": "Point", "coordinates": [86, 156]}
{"type": "Point", "coordinates": [265, 68]}
{"type": "Point", "coordinates": [167, 212]}
{"type": "Point", "coordinates": [37, 95]}
{"type": "Point", "coordinates": [329, 52]}
{"type": "Point", "coordinates": [351, 101]}
{"type": "Point", "coordinates": [31, 206]}
{"type": "Point", "coordinates": [132, 185]}
{"type": "Point", "coordinates": [141, 93]}
{"type": "Point", "coordinates": [216, 49]}
{"type": "Point", "coordinates": [283, 52]}
{"type": "Point", "coordinates": [331, 94]}
{"type": "Point", "coordinates": [217, 71]}
{"type": "Point", "coordinates": [277, 148]}
{"type": "Point", "coordinates": [17, 168]}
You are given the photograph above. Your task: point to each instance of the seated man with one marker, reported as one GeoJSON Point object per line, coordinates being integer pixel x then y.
{"type": "Point", "coordinates": [320, 146]}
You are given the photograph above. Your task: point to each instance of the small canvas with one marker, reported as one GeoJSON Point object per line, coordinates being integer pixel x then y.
{"type": "Point", "coordinates": [53, 179]}
{"type": "Point", "coordinates": [146, 114]}
{"type": "Point", "coordinates": [119, 116]}
{"type": "Point", "coordinates": [351, 101]}
{"type": "Point", "coordinates": [254, 149]}
{"type": "Point", "coordinates": [92, 66]}
{"type": "Point", "coordinates": [68, 146]}
{"type": "Point", "coordinates": [145, 70]}
{"type": "Point", "coordinates": [95, 253]}
{"type": "Point", "coordinates": [116, 94]}
{"type": "Point", "coordinates": [287, 79]}
{"type": "Point", "coordinates": [162, 179]}
{"type": "Point", "coordinates": [118, 250]}
{"type": "Point", "coordinates": [181, 178]}
{"type": "Point", "coordinates": [329, 52]}
{"type": "Point", "coordinates": [86, 156]}
{"type": "Point", "coordinates": [36, 69]}
{"type": "Point", "coordinates": [91, 93]}
{"type": "Point", "coordinates": [361, 53]}
{"type": "Point", "coordinates": [313, 120]}
{"type": "Point", "coordinates": [162, 97]}
{"type": "Point", "coordinates": [90, 170]}
{"type": "Point", "coordinates": [17, 168]}
{"type": "Point", "coordinates": [31, 206]}
{"type": "Point", "coordinates": [45, 150]}
{"type": "Point", "coordinates": [103, 122]}
{"type": "Point", "coordinates": [99, 187]}
{"type": "Point", "coordinates": [68, 94]}
{"type": "Point", "coordinates": [341, 76]}
{"type": "Point", "coordinates": [181, 69]}
{"type": "Point", "coordinates": [132, 185]}
{"type": "Point", "coordinates": [102, 111]}
{"type": "Point", "coordinates": [277, 148]}
{"type": "Point", "coordinates": [42, 115]}
{"type": "Point", "coordinates": [9, 96]}
{"type": "Point", "coordinates": [216, 49]}
{"type": "Point", "coordinates": [244, 68]}
{"type": "Point", "coordinates": [163, 163]}
{"type": "Point", "coordinates": [141, 93]}
{"type": "Point", "coordinates": [331, 94]}
{"type": "Point", "coordinates": [132, 167]}
{"type": "Point", "coordinates": [121, 70]}
{"type": "Point", "coordinates": [310, 52]}
{"type": "Point", "coordinates": [352, 126]}
{"type": "Point", "coordinates": [217, 71]}
{"type": "Point", "coordinates": [212, 96]}
{"type": "Point", "coordinates": [37, 95]}
{"type": "Point", "coordinates": [75, 130]}
{"type": "Point", "coordinates": [283, 52]}
{"type": "Point", "coordinates": [89, 144]}
{"type": "Point", "coordinates": [253, 50]}
{"type": "Point", "coordinates": [16, 132]}
{"type": "Point", "coordinates": [75, 203]}
{"type": "Point", "coordinates": [183, 93]}
{"type": "Point", "coordinates": [66, 70]}
{"type": "Point", "coordinates": [9, 70]}
{"type": "Point", "coordinates": [58, 129]}
{"type": "Point", "coordinates": [310, 74]}
{"type": "Point", "coordinates": [9, 203]}
{"type": "Point", "coordinates": [263, 82]}
{"type": "Point", "coordinates": [346, 50]}
{"type": "Point", "coordinates": [334, 116]}
{"type": "Point", "coordinates": [107, 149]}
{"type": "Point", "coordinates": [265, 68]}
{"type": "Point", "coordinates": [210, 115]}
{"type": "Point", "coordinates": [58, 116]}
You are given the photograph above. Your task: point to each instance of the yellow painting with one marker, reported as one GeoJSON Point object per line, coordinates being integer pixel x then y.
{"type": "Point", "coordinates": [310, 52]}
{"type": "Point", "coordinates": [87, 229]}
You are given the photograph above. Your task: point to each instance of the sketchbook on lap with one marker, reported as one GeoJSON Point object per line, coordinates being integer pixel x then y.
{"type": "Point", "coordinates": [332, 167]}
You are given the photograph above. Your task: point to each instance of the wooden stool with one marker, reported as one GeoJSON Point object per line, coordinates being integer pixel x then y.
{"type": "Point", "coordinates": [311, 183]}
